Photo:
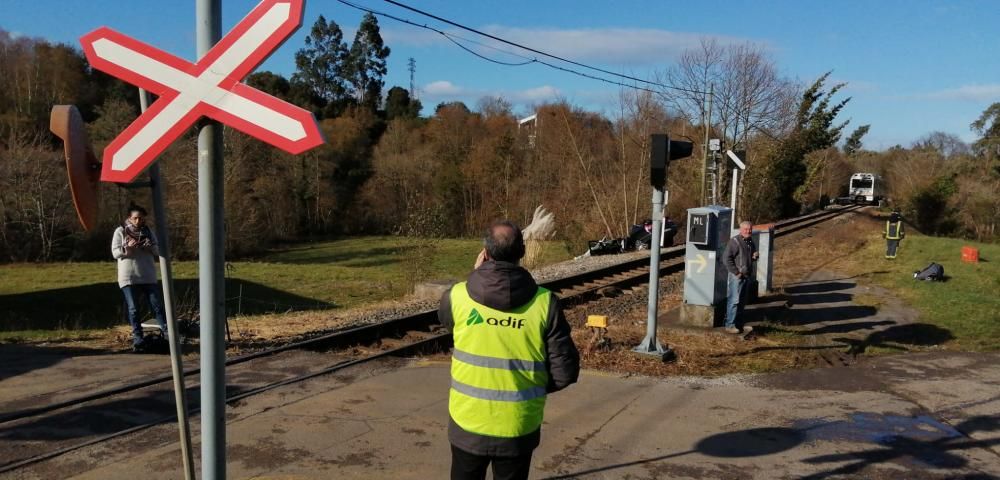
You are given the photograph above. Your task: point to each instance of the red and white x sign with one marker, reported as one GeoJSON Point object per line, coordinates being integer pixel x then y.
{"type": "Point", "coordinates": [211, 87]}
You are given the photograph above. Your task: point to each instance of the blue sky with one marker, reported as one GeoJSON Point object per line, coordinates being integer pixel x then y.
{"type": "Point", "coordinates": [912, 67]}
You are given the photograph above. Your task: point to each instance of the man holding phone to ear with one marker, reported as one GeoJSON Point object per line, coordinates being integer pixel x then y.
{"type": "Point", "coordinates": [512, 348]}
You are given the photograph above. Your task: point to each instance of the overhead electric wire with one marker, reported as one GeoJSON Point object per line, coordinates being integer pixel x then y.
{"type": "Point", "coordinates": [450, 37]}
{"type": "Point", "coordinates": [508, 42]}
{"type": "Point", "coordinates": [528, 60]}
{"type": "Point", "coordinates": [463, 47]}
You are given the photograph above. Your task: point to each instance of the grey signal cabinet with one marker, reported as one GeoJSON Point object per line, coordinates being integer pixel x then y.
{"type": "Point", "coordinates": [704, 272]}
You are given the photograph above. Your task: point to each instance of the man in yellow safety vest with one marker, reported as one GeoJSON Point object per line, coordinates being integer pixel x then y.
{"type": "Point", "coordinates": [893, 234]}
{"type": "Point", "coordinates": [512, 348]}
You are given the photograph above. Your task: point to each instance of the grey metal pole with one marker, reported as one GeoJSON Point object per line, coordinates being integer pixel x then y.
{"type": "Point", "coordinates": [166, 273]}
{"type": "Point", "coordinates": [708, 128]}
{"type": "Point", "coordinates": [211, 261]}
{"type": "Point", "coordinates": [650, 345]}
{"type": "Point", "coordinates": [732, 200]}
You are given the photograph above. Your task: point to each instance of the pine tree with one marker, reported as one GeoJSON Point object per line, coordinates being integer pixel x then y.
{"type": "Point", "coordinates": [321, 64]}
{"type": "Point", "coordinates": [853, 142]}
{"type": "Point", "coordinates": [814, 130]}
{"type": "Point", "coordinates": [366, 65]}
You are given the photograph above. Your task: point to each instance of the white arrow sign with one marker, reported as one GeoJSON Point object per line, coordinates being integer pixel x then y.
{"type": "Point", "coordinates": [700, 262]}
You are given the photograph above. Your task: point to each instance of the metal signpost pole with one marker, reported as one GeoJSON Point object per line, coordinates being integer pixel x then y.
{"type": "Point", "coordinates": [211, 258]}
{"type": "Point", "coordinates": [166, 273]}
{"type": "Point", "coordinates": [650, 345]}
{"type": "Point", "coordinates": [708, 128]}
{"type": "Point", "coordinates": [732, 199]}
{"type": "Point", "coordinates": [738, 165]}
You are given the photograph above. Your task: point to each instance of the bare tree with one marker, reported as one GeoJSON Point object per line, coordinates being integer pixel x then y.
{"type": "Point", "coordinates": [696, 69]}
{"type": "Point", "coordinates": [749, 94]}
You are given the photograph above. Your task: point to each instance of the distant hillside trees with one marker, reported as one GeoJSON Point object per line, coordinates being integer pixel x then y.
{"type": "Point", "coordinates": [385, 169]}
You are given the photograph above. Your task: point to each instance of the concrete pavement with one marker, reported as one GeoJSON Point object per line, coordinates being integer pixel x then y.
{"type": "Point", "coordinates": [928, 415]}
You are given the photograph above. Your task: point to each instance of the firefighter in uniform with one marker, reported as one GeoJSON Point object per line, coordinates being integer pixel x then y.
{"type": "Point", "coordinates": [893, 234]}
{"type": "Point", "coordinates": [512, 348]}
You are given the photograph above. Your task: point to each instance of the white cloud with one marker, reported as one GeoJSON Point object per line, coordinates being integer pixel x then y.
{"type": "Point", "coordinates": [537, 94]}
{"type": "Point", "coordinates": [979, 93]}
{"type": "Point", "coordinates": [443, 90]}
{"type": "Point", "coordinates": [618, 46]}
{"type": "Point", "coordinates": [418, 37]}
{"type": "Point", "coordinates": [633, 46]}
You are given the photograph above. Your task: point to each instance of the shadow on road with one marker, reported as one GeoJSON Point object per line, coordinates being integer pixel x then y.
{"type": "Point", "coordinates": [915, 442]}
{"type": "Point", "coordinates": [935, 451]}
{"type": "Point", "coordinates": [915, 334]}
{"type": "Point", "coordinates": [753, 442]}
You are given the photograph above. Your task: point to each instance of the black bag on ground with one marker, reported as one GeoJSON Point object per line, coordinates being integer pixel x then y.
{"type": "Point", "coordinates": [932, 272]}
{"type": "Point", "coordinates": [152, 343]}
{"type": "Point", "coordinates": [606, 247]}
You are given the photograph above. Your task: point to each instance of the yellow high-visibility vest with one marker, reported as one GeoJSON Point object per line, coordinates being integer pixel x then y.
{"type": "Point", "coordinates": [498, 365]}
{"type": "Point", "coordinates": [894, 230]}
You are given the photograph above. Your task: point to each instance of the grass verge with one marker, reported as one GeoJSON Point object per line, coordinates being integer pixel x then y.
{"type": "Point", "coordinates": [69, 300]}
{"type": "Point", "coordinates": [967, 304]}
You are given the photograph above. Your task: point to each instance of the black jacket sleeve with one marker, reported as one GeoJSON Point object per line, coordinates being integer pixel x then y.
{"type": "Point", "coordinates": [563, 362]}
{"type": "Point", "coordinates": [444, 311]}
{"type": "Point", "coordinates": [729, 257]}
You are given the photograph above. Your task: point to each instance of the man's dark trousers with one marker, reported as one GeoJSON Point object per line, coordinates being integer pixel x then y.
{"type": "Point", "coordinates": [468, 466]}
{"type": "Point", "coordinates": [890, 248]}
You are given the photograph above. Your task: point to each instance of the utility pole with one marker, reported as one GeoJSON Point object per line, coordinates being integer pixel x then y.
{"type": "Point", "coordinates": [412, 66]}
{"type": "Point", "coordinates": [211, 258]}
{"type": "Point", "coordinates": [708, 128]}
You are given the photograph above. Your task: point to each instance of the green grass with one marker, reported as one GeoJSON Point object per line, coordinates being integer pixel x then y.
{"type": "Point", "coordinates": [65, 300]}
{"type": "Point", "coordinates": [967, 305]}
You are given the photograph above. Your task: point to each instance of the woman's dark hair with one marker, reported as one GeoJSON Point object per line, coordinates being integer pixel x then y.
{"type": "Point", "coordinates": [504, 242]}
{"type": "Point", "coordinates": [136, 208]}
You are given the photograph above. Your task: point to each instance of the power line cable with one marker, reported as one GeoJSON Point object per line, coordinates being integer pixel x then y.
{"type": "Point", "coordinates": [529, 60]}
{"type": "Point", "coordinates": [450, 37]}
{"type": "Point", "coordinates": [508, 42]}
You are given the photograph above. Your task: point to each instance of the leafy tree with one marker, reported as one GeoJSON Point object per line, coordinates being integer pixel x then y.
{"type": "Point", "coordinates": [814, 130]}
{"type": "Point", "coordinates": [853, 142]}
{"type": "Point", "coordinates": [321, 64]}
{"type": "Point", "coordinates": [988, 127]}
{"type": "Point", "coordinates": [270, 83]}
{"type": "Point", "coordinates": [398, 104]}
{"type": "Point", "coordinates": [366, 63]}
{"type": "Point", "coordinates": [930, 209]}
{"type": "Point", "coordinates": [947, 144]}
{"type": "Point", "coordinates": [451, 105]}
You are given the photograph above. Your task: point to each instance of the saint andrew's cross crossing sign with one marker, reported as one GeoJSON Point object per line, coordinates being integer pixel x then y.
{"type": "Point", "coordinates": [211, 88]}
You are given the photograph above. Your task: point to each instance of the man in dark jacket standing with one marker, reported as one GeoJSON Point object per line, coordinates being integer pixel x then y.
{"type": "Point", "coordinates": [893, 234]}
{"type": "Point", "coordinates": [739, 255]}
{"type": "Point", "coordinates": [512, 347]}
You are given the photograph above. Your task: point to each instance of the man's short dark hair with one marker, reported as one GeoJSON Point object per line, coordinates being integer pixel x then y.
{"type": "Point", "coordinates": [136, 208]}
{"type": "Point", "coordinates": [504, 242]}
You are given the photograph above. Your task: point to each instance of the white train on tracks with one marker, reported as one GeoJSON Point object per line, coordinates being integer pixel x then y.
{"type": "Point", "coordinates": [864, 189]}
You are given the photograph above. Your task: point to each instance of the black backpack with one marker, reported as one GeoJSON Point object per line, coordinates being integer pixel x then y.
{"type": "Point", "coordinates": [931, 273]}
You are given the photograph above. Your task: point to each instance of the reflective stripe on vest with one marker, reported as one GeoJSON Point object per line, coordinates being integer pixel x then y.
{"type": "Point", "coordinates": [498, 368]}
{"type": "Point", "coordinates": [893, 231]}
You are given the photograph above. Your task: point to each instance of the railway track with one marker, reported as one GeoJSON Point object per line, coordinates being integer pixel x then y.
{"type": "Point", "coordinates": [129, 408]}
